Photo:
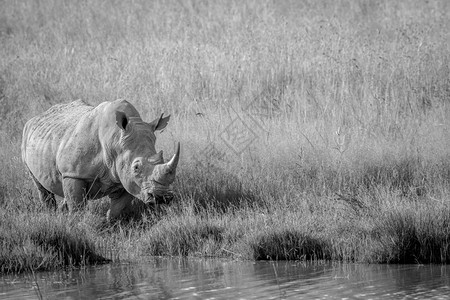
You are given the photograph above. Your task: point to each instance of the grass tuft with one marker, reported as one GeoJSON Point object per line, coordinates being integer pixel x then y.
{"type": "Point", "coordinates": [288, 244]}
{"type": "Point", "coordinates": [43, 241]}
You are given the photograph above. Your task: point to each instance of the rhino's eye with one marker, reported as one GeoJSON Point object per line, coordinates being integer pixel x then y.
{"type": "Point", "coordinates": [136, 168]}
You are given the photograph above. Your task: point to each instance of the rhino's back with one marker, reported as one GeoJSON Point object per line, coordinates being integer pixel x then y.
{"type": "Point", "coordinates": [56, 121]}
{"type": "Point", "coordinates": [44, 134]}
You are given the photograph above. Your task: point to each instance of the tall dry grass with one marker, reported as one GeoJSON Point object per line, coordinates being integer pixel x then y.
{"type": "Point", "coordinates": [347, 101]}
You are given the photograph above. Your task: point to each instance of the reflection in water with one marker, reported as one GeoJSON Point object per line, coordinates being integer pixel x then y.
{"type": "Point", "coordinates": [165, 278]}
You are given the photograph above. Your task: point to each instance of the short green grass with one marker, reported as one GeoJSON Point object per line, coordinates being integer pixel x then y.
{"type": "Point", "coordinates": [347, 101]}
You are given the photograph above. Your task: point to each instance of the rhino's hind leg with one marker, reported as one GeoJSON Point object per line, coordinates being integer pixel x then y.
{"type": "Point", "coordinates": [45, 195]}
{"type": "Point", "coordinates": [74, 193]}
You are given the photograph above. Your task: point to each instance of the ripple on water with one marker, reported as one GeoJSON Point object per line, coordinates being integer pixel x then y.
{"type": "Point", "coordinates": [165, 278]}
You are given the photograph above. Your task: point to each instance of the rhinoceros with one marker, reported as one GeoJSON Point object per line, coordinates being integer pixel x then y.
{"type": "Point", "coordinates": [81, 152]}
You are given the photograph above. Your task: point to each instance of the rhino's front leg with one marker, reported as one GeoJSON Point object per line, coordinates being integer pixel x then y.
{"type": "Point", "coordinates": [119, 200]}
{"type": "Point", "coordinates": [123, 204]}
{"type": "Point", "coordinates": [74, 193]}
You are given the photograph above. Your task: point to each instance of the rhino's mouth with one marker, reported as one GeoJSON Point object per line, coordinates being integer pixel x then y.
{"type": "Point", "coordinates": [157, 183]}
{"type": "Point", "coordinates": [160, 199]}
{"type": "Point", "coordinates": [159, 193]}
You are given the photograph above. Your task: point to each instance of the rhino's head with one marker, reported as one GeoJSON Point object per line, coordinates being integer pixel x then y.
{"type": "Point", "coordinates": [140, 168]}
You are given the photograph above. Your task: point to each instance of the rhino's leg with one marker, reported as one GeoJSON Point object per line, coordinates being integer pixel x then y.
{"type": "Point", "coordinates": [44, 195]}
{"type": "Point", "coordinates": [74, 193]}
{"type": "Point", "coordinates": [120, 203]}
{"type": "Point", "coordinates": [124, 205]}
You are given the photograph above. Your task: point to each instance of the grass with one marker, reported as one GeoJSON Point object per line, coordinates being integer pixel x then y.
{"type": "Point", "coordinates": [42, 241]}
{"type": "Point", "coordinates": [339, 110]}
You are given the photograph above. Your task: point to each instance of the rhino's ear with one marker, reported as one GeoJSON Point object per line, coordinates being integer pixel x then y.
{"type": "Point", "coordinates": [160, 123]}
{"type": "Point", "coordinates": [121, 120]}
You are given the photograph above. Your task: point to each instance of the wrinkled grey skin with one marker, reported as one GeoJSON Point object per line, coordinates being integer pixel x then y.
{"type": "Point", "coordinates": [81, 152]}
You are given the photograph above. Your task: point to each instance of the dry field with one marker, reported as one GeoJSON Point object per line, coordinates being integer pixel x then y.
{"type": "Point", "coordinates": [309, 129]}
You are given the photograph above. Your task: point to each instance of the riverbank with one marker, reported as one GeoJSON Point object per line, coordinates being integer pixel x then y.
{"type": "Point", "coordinates": [308, 130]}
{"type": "Point", "coordinates": [374, 218]}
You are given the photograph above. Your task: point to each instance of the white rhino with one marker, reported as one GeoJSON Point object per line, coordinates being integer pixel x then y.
{"type": "Point", "coordinates": [81, 152]}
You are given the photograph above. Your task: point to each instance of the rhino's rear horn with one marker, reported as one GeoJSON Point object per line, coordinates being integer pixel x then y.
{"type": "Point", "coordinates": [172, 164]}
{"type": "Point", "coordinates": [157, 158]}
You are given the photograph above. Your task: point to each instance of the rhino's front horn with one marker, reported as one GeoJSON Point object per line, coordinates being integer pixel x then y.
{"type": "Point", "coordinates": [172, 164]}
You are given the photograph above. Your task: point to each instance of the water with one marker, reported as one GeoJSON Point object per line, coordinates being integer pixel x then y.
{"type": "Point", "coordinates": [165, 278]}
